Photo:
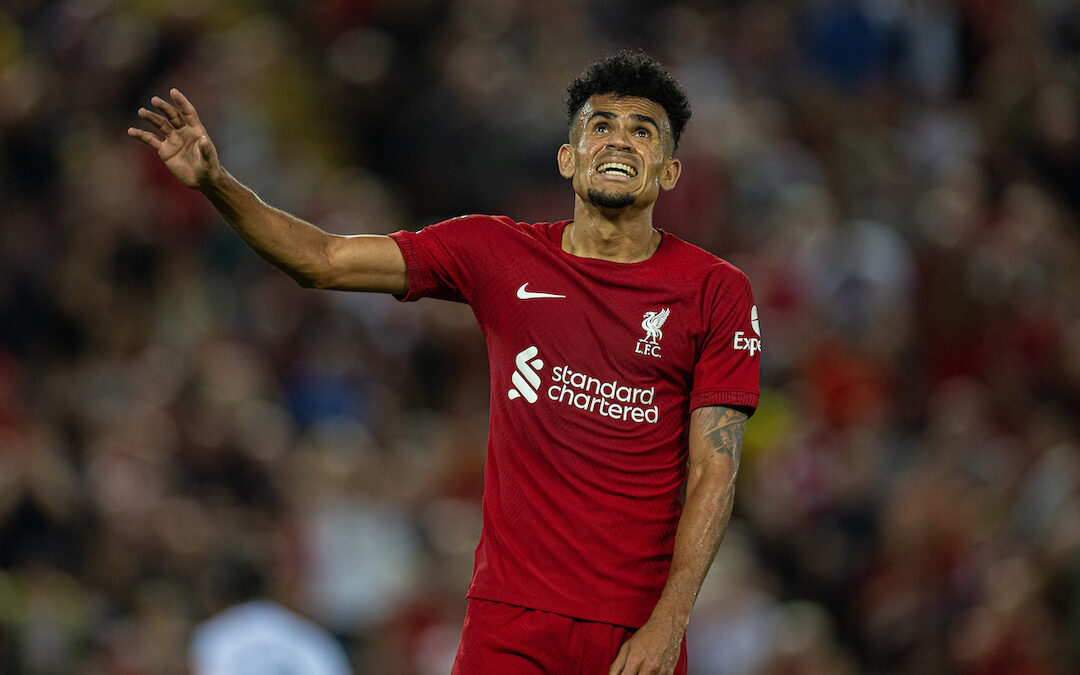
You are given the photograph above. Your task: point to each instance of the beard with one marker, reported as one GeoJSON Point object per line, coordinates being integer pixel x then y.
{"type": "Point", "coordinates": [610, 200]}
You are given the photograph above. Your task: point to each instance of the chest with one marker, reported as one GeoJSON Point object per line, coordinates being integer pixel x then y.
{"type": "Point", "coordinates": [639, 329]}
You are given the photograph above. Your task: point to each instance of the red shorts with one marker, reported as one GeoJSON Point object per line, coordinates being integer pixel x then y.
{"type": "Point", "coordinates": [511, 640]}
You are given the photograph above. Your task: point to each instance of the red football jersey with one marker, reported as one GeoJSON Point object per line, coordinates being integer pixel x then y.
{"type": "Point", "coordinates": [595, 367]}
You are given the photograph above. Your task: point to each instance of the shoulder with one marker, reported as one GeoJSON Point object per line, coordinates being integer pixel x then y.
{"type": "Point", "coordinates": [473, 221]}
{"type": "Point", "coordinates": [695, 264]}
{"type": "Point", "coordinates": [488, 224]}
{"type": "Point", "coordinates": [258, 617]}
{"type": "Point", "coordinates": [486, 231]}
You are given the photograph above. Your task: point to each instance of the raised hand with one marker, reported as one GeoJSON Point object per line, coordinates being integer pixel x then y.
{"type": "Point", "coordinates": [181, 141]}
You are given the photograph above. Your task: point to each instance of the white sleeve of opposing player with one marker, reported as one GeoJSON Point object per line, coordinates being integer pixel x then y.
{"type": "Point", "coordinates": [260, 637]}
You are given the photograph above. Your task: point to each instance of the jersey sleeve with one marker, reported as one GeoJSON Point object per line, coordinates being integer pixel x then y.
{"type": "Point", "coordinates": [727, 368]}
{"type": "Point", "coordinates": [441, 259]}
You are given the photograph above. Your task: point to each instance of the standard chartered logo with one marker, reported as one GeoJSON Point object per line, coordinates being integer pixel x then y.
{"type": "Point", "coordinates": [607, 398]}
{"type": "Point", "coordinates": [526, 379]}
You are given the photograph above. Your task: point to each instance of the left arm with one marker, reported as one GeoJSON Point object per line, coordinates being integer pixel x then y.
{"type": "Point", "coordinates": [716, 436]}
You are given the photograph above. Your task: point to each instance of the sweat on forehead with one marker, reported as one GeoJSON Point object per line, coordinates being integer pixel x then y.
{"type": "Point", "coordinates": [612, 107]}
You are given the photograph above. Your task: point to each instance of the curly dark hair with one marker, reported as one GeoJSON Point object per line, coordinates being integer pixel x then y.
{"type": "Point", "coordinates": [631, 73]}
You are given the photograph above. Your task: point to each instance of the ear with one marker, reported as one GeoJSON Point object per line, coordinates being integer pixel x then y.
{"type": "Point", "coordinates": [670, 175]}
{"type": "Point", "coordinates": [566, 161]}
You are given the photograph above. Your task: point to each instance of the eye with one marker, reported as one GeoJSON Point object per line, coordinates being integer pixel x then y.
{"type": "Point", "coordinates": [601, 127]}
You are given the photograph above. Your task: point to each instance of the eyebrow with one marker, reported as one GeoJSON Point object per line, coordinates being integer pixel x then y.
{"type": "Point", "coordinates": [610, 116]}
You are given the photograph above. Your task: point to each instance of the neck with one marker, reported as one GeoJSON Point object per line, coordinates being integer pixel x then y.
{"type": "Point", "coordinates": [621, 236]}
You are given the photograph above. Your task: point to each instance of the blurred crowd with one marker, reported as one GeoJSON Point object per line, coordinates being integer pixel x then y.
{"type": "Point", "coordinates": [900, 179]}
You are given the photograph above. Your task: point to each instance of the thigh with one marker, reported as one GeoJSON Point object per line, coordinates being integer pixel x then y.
{"type": "Point", "coordinates": [510, 640]}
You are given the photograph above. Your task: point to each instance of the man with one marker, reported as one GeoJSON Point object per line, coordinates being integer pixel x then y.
{"type": "Point", "coordinates": [624, 364]}
{"type": "Point", "coordinates": [250, 634]}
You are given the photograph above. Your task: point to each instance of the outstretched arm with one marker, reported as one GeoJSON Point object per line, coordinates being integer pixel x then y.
{"type": "Point", "coordinates": [716, 436]}
{"type": "Point", "coordinates": [309, 255]}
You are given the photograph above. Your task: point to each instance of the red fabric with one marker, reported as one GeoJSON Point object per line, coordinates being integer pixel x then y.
{"type": "Point", "coordinates": [511, 640]}
{"type": "Point", "coordinates": [587, 449]}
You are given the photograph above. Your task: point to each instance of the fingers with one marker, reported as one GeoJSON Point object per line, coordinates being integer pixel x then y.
{"type": "Point", "coordinates": [620, 661]}
{"type": "Point", "coordinates": [179, 112]}
{"type": "Point", "coordinates": [635, 664]}
{"type": "Point", "coordinates": [170, 113]}
{"type": "Point", "coordinates": [173, 116]}
{"type": "Point", "coordinates": [145, 136]}
{"type": "Point", "coordinates": [183, 105]}
{"type": "Point", "coordinates": [155, 119]}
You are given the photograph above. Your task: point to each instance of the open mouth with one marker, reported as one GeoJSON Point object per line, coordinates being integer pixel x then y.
{"type": "Point", "coordinates": [617, 169]}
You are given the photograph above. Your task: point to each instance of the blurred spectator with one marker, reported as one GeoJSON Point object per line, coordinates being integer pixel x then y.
{"type": "Point", "coordinates": [253, 634]}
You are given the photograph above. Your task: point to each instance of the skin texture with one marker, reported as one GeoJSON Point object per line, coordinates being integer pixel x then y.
{"type": "Point", "coordinates": [309, 255]}
{"type": "Point", "coordinates": [716, 437]}
{"type": "Point", "coordinates": [631, 131]}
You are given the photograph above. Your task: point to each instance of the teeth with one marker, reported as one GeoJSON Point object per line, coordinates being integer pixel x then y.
{"type": "Point", "coordinates": [618, 167]}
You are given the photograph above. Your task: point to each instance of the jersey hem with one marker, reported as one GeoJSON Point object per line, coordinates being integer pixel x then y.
{"type": "Point", "coordinates": [728, 398]}
{"type": "Point", "coordinates": [630, 619]}
{"type": "Point", "coordinates": [412, 265]}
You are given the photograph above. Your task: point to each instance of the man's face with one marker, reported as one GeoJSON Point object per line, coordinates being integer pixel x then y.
{"type": "Point", "coordinates": [619, 152]}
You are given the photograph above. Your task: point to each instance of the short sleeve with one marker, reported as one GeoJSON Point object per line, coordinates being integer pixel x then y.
{"type": "Point", "coordinates": [440, 257]}
{"type": "Point", "coordinates": [727, 368]}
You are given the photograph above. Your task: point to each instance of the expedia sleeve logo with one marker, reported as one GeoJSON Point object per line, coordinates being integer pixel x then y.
{"type": "Point", "coordinates": [746, 342]}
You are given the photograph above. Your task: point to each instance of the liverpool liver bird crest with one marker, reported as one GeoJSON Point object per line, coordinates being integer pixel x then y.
{"type": "Point", "coordinates": [652, 324]}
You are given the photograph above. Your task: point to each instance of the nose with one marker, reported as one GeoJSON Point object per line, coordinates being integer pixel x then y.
{"type": "Point", "coordinates": [619, 138]}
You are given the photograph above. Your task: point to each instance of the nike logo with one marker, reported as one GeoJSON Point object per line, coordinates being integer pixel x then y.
{"type": "Point", "coordinates": [532, 295]}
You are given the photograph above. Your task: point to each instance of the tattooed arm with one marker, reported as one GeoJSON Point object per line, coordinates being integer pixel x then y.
{"type": "Point", "coordinates": [716, 436]}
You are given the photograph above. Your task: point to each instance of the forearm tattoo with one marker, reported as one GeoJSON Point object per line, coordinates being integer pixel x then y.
{"type": "Point", "coordinates": [723, 430]}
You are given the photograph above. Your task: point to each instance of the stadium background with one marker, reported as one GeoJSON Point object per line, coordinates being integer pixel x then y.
{"type": "Point", "coordinates": [898, 179]}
